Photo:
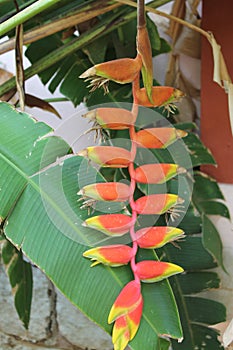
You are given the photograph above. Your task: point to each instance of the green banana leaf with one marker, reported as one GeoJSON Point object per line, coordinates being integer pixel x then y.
{"type": "Point", "coordinates": [42, 215]}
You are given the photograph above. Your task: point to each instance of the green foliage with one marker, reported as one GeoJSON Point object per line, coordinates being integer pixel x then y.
{"type": "Point", "coordinates": [206, 196]}
{"type": "Point", "coordinates": [44, 221]}
{"type": "Point", "coordinates": [20, 276]}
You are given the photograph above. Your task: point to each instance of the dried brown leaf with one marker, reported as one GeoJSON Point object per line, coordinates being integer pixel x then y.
{"type": "Point", "coordinates": [33, 101]}
{"type": "Point", "coordinates": [4, 76]}
{"type": "Point", "coordinates": [19, 65]}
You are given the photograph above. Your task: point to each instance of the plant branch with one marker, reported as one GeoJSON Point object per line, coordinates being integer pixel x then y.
{"type": "Point", "coordinates": [84, 13]}
{"type": "Point", "coordinates": [170, 17]}
{"type": "Point", "coordinates": [26, 14]}
{"type": "Point", "coordinates": [47, 61]}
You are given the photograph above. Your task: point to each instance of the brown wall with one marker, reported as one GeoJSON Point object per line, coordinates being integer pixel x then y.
{"type": "Point", "coordinates": [215, 125]}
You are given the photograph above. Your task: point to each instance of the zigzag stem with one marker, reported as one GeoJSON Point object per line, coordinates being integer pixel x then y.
{"type": "Point", "coordinates": [132, 134]}
{"type": "Point", "coordinates": [132, 189]}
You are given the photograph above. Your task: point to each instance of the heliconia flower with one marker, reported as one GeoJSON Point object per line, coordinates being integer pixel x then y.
{"type": "Point", "coordinates": [156, 173]}
{"type": "Point", "coordinates": [161, 96]}
{"type": "Point", "coordinates": [158, 137]}
{"type": "Point", "coordinates": [112, 255]}
{"type": "Point", "coordinates": [107, 156]}
{"type": "Point", "coordinates": [157, 203]}
{"type": "Point", "coordinates": [106, 191]}
{"type": "Point", "coordinates": [153, 271]}
{"type": "Point", "coordinates": [123, 70]}
{"type": "Point", "coordinates": [129, 298]}
{"type": "Point", "coordinates": [144, 49]}
{"type": "Point", "coordinates": [126, 327]}
{"type": "Point", "coordinates": [157, 236]}
{"type": "Point", "coordinates": [111, 118]}
{"type": "Point", "coordinates": [110, 224]}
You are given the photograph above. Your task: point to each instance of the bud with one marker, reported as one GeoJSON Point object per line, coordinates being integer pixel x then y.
{"type": "Point", "coordinates": [113, 255]}
{"type": "Point", "coordinates": [110, 224]}
{"type": "Point", "coordinates": [106, 191]}
{"type": "Point", "coordinates": [156, 203]}
{"type": "Point", "coordinates": [107, 156]}
{"type": "Point", "coordinates": [123, 70]}
{"type": "Point", "coordinates": [156, 173]}
{"type": "Point", "coordinates": [111, 118]}
{"type": "Point", "coordinates": [157, 236]}
{"type": "Point", "coordinates": [161, 96]}
{"type": "Point", "coordinates": [126, 327]}
{"type": "Point", "coordinates": [150, 271]}
{"type": "Point", "coordinates": [129, 298]}
{"type": "Point", "coordinates": [158, 137]}
{"type": "Point", "coordinates": [144, 49]}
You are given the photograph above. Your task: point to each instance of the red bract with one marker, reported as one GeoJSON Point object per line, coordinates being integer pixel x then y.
{"type": "Point", "coordinates": [158, 137]}
{"type": "Point", "coordinates": [161, 96]}
{"type": "Point", "coordinates": [123, 70]}
{"type": "Point", "coordinates": [110, 224]}
{"type": "Point", "coordinates": [129, 298]}
{"type": "Point", "coordinates": [156, 203]}
{"type": "Point", "coordinates": [126, 327]}
{"type": "Point", "coordinates": [113, 255]}
{"type": "Point", "coordinates": [107, 156]}
{"type": "Point", "coordinates": [156, 173]}
{"type": "Point", "coordinates": [106, 191]}
{"type": "Point", "coordinates": [111, 118]}
{"type": "Point", "coordinates": [153, 271]}
{"type": "Point", "coordinates": [157, 236]}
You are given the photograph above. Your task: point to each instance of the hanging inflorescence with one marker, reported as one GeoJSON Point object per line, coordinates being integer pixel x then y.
{"type": "Point", "coordinates": [127, 309]}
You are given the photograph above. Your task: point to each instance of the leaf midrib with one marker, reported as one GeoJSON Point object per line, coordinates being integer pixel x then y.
{"type": "Point", "coordinates": [43, 194]}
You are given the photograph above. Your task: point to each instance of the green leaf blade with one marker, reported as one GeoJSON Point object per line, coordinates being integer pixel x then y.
{"type": "Point", "coordinates": [212, 241]}
{"type": "Point", "coordinates": [45, 221]}
{"type": "Point", "coordinates": [20, 276]}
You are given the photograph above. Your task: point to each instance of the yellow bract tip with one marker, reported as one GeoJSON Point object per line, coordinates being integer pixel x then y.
{"type": "Point", "coordinates": [88, 73]}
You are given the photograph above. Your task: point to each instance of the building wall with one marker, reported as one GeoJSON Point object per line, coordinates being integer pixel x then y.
{"type": "Point", "coordinates": [215, 124]}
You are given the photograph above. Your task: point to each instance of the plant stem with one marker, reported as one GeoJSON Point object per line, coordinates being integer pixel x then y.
{"type": "Point", "coordinates": [56, 99]}
{"type": "Point", "coordinates": [26, 14]}
{"type": "Point", "coordinates": [132, 133]}
{"type": "Point", "coordinates": [170, 17]}
{"type": "Point", "coordinates": [141, 19]}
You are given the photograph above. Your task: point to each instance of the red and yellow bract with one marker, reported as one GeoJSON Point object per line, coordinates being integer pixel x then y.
{"type": "Point", "coordinates": [157, 236]}
{"type": "Point", "coordinates": [126, 327]}
{"type": "Point", "coordinates": [111, 118]}
{"type": "Point", "coordinates": [107, 156]}
{"type": "Point", "coordinates": [158, 137]}
{"type": "Point", "coordinates": [110, 224]}
{"type": "Point", "coordinates": [123, 70]}
{"type": "Point", "coordinates": [156, 173]}
{"type": "Point", "coordinates": [113, 255]}
{"type": "Point", "coordinates": [156, 203]}
{"type": "Point", "coordinates": [128, 299]}
{"type": "Point", "coordinates": [153, 271]}
{"type": "Point", "coordinates": [106, 191]}
{"type": "Point", "coordinates": [161, 96]}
